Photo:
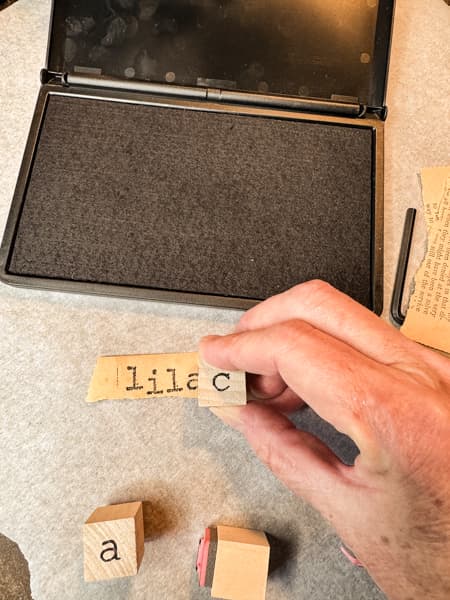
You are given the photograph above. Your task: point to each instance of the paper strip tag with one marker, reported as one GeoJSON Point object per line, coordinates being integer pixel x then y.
{"type": "Point", "coordinates": [140, 376]}
{"type": "Point", "coordinates": [144, 376]}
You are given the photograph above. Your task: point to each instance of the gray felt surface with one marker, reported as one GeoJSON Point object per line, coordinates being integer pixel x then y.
{"type": "Point", "coordinates": [198, 202]}
{"type": "Point", "coordinates": [61, 458]}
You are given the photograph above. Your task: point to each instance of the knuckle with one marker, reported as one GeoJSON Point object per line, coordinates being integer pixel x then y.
{"type": "Point", "coordinates": [245, 321]}
{"type": "Point", "coordinates": [420, 373]}
{"type": "Point", "coordinates": [236, 345]}
{"type": "Point", "coordinates": [268, 450]}
{"type": "Point", "coordinates": [315, 291]}
{"type": "Point", "coordinates": [265, 454]}
{"type": "Point", "coordinates": [290, 333]}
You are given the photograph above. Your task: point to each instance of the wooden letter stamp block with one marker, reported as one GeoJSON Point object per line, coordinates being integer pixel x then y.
{"type": "Point", "coordinates": [113, 538]}
{"type": "Point", "coordinates": [234, 563]}
{"type": "Point", "coordinates": [220, 388]}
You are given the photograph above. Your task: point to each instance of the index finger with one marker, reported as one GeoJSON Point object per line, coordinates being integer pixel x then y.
{"type": "Point", "coordinates": [335, 313]}
{"type": "Point", "coordinates": [336, 380]}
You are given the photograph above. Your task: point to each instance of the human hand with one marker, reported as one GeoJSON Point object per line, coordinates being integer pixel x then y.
{"type": "Point", "coordinates": [314, 345]}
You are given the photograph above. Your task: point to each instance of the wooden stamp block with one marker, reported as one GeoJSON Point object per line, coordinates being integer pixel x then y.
{"type": "Point", "coordinates": [234, 562]}
{"type": "Point", "coordinates": [220, 388]}
{"type": "Point", "coordinates": [113, 538]}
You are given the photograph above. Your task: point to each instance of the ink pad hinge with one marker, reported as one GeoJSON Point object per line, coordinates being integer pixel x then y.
{"type": "Point", "coordinates": [312, 105]}
{"type": "Point", "coordinates": [53, 77]}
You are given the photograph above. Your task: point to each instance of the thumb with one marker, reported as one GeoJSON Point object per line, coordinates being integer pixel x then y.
{"type": "Point", "coordinates": [300, 460]}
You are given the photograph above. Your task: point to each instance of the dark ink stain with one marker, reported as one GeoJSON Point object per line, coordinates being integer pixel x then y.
{"type": "Point", "coordinates": [14, 572]}
{"type": "Point", "coordinates": [159, 518]}
{"type": "Point", "coordinates": [6, 3]}
{"type": "Point", "coordinates": [281, 552]}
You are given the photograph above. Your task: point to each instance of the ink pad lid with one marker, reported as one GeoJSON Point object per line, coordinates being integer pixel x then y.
{"type": "Point", "coordinates": [298, 48]}
{"type": "Point", "coordinates": [163, 124]}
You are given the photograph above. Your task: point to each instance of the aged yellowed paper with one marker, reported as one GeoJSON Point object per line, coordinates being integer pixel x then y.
{"type": "Point", "coordinates": [140, 376]}
{"type": "Point", "coordinates": [428, 317]}
{"type": "Point", "coordinates": [144, 376]}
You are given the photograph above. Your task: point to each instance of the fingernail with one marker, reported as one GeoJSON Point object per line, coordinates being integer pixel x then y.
{"type": "Point", "coordinates": [231, 415]}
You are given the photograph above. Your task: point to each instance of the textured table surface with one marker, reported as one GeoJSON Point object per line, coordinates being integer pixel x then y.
{"type": "Point", "coordinates": [62, 458]}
